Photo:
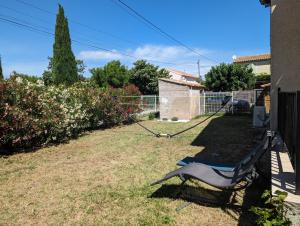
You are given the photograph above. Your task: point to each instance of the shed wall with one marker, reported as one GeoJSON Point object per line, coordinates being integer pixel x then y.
{"type": "Point", "coordinates": [178, 101]}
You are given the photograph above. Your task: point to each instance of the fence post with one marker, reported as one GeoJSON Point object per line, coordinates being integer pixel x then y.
{"type": "Point", "coordinates": [204, 103]}
{"type": "Point", "coordinates": [232, 103]}
{"type": "Point", "coordinates": [297, 148]}
{"type": "Point", "coordinates": [155, 108]}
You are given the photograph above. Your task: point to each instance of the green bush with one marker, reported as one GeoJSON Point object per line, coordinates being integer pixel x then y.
{"type": "Point", "coordinates": [151, 116]}
{"type": "Point", "coordinates": [275, 212]}
{"type": "Point", "coordinates": [32, 114]}
{"type": "Point", "coordinates": [263, 77]}
{"type": "Point", "coordinates": [174, 119]}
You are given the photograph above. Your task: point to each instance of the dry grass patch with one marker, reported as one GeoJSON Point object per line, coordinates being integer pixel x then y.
{"type": "Point", "coordinates": [103, 178]}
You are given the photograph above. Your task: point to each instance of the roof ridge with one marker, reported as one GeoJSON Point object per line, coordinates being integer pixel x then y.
{"type": "Point", "coordinates": [258, 57]}
{"type": "Point", "coordinates": [182, 82]}
{"type": "Point", "coordinates": [182, 73]}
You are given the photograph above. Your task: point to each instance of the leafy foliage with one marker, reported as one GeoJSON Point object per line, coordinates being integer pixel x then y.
{"type": "Point", "coordinates": [263, 77]}
{"type": "Point", "coordinates": [32, 114]}
{"type": "Point", "coordinates": [145, 76]}
{"type": "Point", "coordinates": [113, 74]}
{"type": "Point", "coordinates": [275, 212]}
{"type": "Point", "coordinates": [64, 66]}
{"type": "Point", "coordinates": [151, 116]}
{"type": "Point", "coordinates": [29, 78]}
{"type": "Point", "coordinates": [47, 78]}
{"type": "Point", "coordinates": [228, 77]}
{"type": "Point", "coordinates": [80, 69]}
{"type": "Point", "coordinates": [128, 96]}
{"type": "Point", "coordinates": [48, 75]}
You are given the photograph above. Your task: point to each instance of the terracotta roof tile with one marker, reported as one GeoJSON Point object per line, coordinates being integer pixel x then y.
{"type": "Point", "coordinates": [190, 84]}
{"type": "Point", "coordinates": [245, 59]}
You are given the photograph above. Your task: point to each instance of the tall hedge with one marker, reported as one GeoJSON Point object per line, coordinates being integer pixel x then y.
{"type": "Point", "coordinates": [32, 114]}
{"type": "Point", "coordinates": [64, 67]}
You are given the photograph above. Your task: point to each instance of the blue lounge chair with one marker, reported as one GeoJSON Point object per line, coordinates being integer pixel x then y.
{"type": "Point", "coordinates": [216, 177]}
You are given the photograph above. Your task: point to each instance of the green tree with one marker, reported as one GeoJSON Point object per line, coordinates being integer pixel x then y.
{"type": "Point", "coordinates": [47, 78]}
{"type": "Point", "coordinates": [80, 69]}
{"type": "Point", "coordinates": [228, 77]}
{"type": "Point", "coordinates": [113, 74]}
{"type": "Point", "coordinates": [1, 72]}
{"type": "Point", "coordinates": [48, 75]}
{"type": "Point", "coordinates": [145, 76]}
{"type": "Point", "coordinates": [64, 67]}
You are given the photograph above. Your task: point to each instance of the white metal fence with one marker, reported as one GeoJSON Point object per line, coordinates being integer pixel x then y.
{"type": "Point", "coordinates": [205, 103]}
{"type": "Point", "coordinates": [146, 103]}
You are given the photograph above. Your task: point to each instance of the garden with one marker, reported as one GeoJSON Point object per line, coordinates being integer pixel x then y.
{"type": "Point", "coordinates": [104, 176]}
{"type": "Point", "coordinates": [72, 152]}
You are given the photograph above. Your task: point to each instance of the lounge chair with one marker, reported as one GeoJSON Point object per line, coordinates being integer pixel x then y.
{"type": "Point", "coordinates": [218, 166]}
{"type": "Point", "coordinates": [221, 166]}
{"type": "Point", "coordinates": [223, 179]}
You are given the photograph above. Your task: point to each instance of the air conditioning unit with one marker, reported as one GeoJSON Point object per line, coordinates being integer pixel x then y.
{"type": "Point", "coordinates": [259, 116]}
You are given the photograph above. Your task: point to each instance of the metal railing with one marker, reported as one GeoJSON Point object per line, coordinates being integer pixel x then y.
{"type": "Point", "coordinates": [289, 128]}
{"type": "Point", "coordinates": [241, 101]}
{"type": "Point", "coordinates": [204, 103]}
{"type": "Point", "coordinates": [145, 103]}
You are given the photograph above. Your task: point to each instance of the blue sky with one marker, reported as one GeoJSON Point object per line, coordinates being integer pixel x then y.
{"type": "Point", "coordinates": [216, 29]}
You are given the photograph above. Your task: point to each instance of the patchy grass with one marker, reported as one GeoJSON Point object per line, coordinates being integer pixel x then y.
{"type": "Point", "coordinates": [103, 178]}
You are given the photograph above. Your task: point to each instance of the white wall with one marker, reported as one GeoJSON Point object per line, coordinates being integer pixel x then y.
{"type": "Point", "coordinates": [261, 67]}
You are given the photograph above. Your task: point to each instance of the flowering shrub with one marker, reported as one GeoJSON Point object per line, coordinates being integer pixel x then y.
{"type": "Point", "coordinates": [32, 114]}
{"type": "Point", "coordinates": [129, 97]}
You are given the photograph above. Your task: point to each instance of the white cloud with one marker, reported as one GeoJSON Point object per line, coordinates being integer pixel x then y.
{"type": "Point", "coordinates": [158, 52]}
{"type": "Point", "coordinates": [180, 57]}
{"type": "Point", "coordinates": [100, 55]}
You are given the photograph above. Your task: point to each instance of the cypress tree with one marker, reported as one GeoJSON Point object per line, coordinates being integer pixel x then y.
{"type": "Point", "coordinates": [1, 72]}
{"type": "Point", "coordinates": [64, 67]}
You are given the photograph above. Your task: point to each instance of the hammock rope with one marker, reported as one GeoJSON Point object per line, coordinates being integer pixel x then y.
{"type": "Point", "coordinates": [169, 135]}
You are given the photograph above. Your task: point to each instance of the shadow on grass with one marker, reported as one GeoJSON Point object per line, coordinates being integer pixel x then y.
{"type": "Point", "coordinates": [226, 139]}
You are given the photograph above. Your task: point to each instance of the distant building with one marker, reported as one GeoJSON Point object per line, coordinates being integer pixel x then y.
{"type": "Point", "coordinates": [182, 76]}
{"type": "Point", "coordinates": [261, 64]}
{"type": "Point", "coordinates": [179, 100]}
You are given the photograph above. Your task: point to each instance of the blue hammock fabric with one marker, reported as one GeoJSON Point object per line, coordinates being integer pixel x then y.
{"type": "Point", "coordinates": [218, 166]}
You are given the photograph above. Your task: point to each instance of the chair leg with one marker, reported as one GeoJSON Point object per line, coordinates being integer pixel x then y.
{"type": "Point", "coordinates": [179, 194]}
{"type": "Point", "coordinates": [180, 189]}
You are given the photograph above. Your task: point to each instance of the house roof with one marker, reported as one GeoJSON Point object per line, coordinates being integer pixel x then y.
{"type": "Point", "coordinates": [265, 2]}
{"type": "Point", "coordinates": [190, 84]}
{"type": "Point", "coordinates": [245, 59]}
{"type": "Point", "coordinates": [182, 73]}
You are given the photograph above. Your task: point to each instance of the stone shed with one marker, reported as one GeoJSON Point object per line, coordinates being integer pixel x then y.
{"type": "Point", "coordinates": [179, 100]}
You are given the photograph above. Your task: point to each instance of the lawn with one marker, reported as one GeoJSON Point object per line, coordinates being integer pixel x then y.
{"type": "Point", "coordinates": [103, 177]}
